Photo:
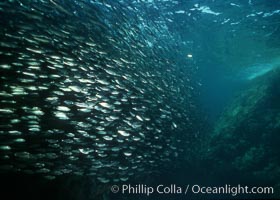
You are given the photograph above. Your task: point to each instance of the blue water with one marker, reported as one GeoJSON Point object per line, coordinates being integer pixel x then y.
{"type": "Point", "coordinates": [218, 90]}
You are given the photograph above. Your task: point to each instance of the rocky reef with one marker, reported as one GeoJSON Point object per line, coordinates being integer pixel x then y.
{"type": "Point", "coordinates": [246, 138]}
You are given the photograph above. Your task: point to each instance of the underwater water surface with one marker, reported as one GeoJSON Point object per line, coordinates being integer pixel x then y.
{"type": "Point", "coordinates": [140, 99]}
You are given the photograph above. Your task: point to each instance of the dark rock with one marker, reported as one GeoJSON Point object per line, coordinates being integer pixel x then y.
{"type": "Point", "coordinates": [247, 136]}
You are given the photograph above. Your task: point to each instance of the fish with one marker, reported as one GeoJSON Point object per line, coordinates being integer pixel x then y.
{"type": "Point", "coordinates": [89, 88]}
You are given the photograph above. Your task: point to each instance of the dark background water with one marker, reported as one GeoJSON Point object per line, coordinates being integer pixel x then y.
{"type": "Point", "coordinates": [217, 90]}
